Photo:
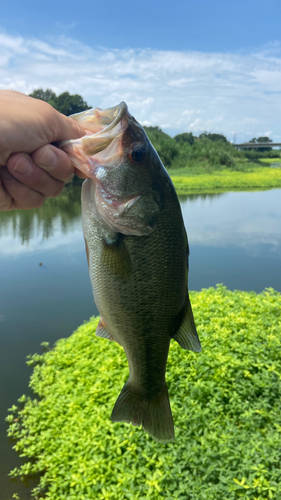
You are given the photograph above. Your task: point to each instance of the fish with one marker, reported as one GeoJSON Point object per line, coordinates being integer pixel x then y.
{"type": "Point", "coordinates": [137, 251]}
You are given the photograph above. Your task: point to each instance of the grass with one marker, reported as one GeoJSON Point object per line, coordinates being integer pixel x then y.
{"type": "Point", "coordinates": [225, 401]}
{"type": "Point", "coordinates": [226, 180]}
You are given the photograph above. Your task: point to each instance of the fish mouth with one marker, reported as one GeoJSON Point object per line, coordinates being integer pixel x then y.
{"type": "Point", "coordinates": [97, 119]}
{"type": "Point", "coordinates": [105, 125]}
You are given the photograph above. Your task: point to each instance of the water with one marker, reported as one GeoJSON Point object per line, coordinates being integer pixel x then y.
{"type": "Point", "coordinates": [235, 239]}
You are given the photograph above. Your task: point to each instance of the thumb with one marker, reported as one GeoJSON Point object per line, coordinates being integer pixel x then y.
{"type": "Point", "coordinates": [67, 128]}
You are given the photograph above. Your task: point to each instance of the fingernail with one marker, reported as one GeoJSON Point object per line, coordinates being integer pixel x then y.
{"type": "Point", "coordinates": [23, 166]}
{"type": "Point", "coordinates": [48, 159]}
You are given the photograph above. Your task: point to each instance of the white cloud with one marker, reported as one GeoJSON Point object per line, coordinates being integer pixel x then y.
{"type": "Point", "coordinates": [229, 92]}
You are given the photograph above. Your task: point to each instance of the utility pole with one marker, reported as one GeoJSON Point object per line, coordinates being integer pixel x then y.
{"type": "Point", "coordinates": [234, 138]}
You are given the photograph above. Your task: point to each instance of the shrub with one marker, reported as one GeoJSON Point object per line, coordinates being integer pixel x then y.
{"type": "Point", "coordinates": [185, 137]}
{"type": "Point", "coordinates": [165, 146]}
{"type": "Point", "coordinates": [225, 401]}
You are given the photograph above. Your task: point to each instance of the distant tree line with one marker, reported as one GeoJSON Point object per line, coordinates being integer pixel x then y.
{"type": "Point", "coordinates": [183, 150]}
{"type": "Point", "coordinates": [65, 103]}
{"type": "Point", "coordinates": [261, 139]}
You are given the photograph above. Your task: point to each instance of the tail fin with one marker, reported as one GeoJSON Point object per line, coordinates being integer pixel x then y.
{"type": "Point", "coordinates": [153, 413]}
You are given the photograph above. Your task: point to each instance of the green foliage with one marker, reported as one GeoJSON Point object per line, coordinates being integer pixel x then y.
{"type": "Point", "coordinates": [209, 153]}
{"type": "Point", "coordinates": [261, 139]}
{"type": "Point", "coordinates": [185, 137]}
{"type": "Point", "coordinates": [165, 146]}
{"type": "Point", "coordinates": [45, 95]}
{"type": "Point", "coordinates": [225, 401]}
{"type": "Point", "coordinates": [65, 103]}
{"type": "Point", "coordinates": [264, 139]}
{"type": "Point", "coordinates": [225, 180]}
{"type": "Point", "coordinates": [213, 137]}
{"type": "Point", "coordinates": [213, 155]}
{"type": "Point", "coordinates": [257, 155]}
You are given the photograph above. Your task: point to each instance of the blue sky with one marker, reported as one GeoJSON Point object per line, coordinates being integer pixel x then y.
{"type": "Point", "coordinates": [184, 65]}
{"type": "Point", "coordinates": [202, 25]}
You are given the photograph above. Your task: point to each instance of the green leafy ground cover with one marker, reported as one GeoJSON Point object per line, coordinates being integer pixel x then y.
{"type": "Point", "coordinates": [225, 401]}
{"type": "Point", "coordinates": [226, 180]}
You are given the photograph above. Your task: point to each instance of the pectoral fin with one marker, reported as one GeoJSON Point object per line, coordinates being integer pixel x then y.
{"type": "Point", "coordinates": [186, 336]}
{"type": "Point", "coordinates": [115, 257]}
{"type": "Point", "coordinates": [101, 330]}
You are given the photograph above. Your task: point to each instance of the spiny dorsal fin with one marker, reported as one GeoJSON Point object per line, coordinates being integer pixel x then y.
{"type": "Point", "coordinates": [186, 336]}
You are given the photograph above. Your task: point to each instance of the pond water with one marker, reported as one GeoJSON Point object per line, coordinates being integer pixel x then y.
{"type": "Point", "coordinates": [45, 291]}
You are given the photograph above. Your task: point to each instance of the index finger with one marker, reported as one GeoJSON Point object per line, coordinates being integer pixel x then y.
{"type": "Point", "coordinates": [54, 161]}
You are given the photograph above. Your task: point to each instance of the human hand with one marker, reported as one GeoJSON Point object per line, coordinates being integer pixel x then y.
{"type": "Point", "coordinates": [31, 169]}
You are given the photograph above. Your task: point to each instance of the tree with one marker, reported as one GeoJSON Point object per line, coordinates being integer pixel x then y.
{"type": "Point", "coordinates": [65, 103]}
{"type": "Point", "coordinates": [44, 95]}
{"type": "Point", "coordinates": [165, 146]}
{"type": "Point", "coordinates": [185, 137]}
{"type": "Point", "coordinates": [262, 140]}
{"type": "Point", "coordinates": [213, 137]}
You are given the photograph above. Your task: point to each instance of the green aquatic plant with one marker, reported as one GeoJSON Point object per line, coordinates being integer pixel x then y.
{"type": "Point", "coordinates": [226, 180]}
{"type": "Point", "coordinates": [225, 401]}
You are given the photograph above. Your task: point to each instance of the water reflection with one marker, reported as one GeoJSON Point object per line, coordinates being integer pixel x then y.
{"type": "Point", "coordinates": [62, 212]}
{"type": "Point", "coordinates": [65, 211]}
{"type": "Point", "coordinates": [201, 196]}
{"type": "Point", "coordinates": [246, 220]}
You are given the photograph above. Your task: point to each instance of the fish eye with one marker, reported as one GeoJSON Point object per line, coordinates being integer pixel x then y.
{"type": "Point", "coordinates": [138, 153]}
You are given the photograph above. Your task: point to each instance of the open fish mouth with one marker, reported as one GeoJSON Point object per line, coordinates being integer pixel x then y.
{"type": "Point", "coordinates": [105, 125]}
{"type": "Point", "coordinates": [98, 119]}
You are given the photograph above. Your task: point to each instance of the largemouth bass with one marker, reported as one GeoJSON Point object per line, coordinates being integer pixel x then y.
{"type": "Point", "coordinates": [137, 253]}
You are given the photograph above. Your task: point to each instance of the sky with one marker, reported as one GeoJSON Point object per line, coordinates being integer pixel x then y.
{"type": "Point", "coordinates": [185, 66]}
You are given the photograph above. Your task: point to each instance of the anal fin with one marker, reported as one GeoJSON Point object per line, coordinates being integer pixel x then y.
{"type": "Point", "coordinates": [101, 330]}
{"type": "Point", "coordinates": [186, 335]}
